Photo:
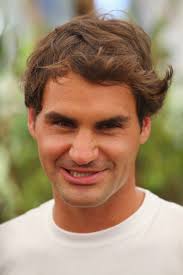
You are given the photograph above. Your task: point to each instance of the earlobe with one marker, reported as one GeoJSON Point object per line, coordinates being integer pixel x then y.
{"type": "Point", "coordinates": [31, 120]}
{"type": "Point", "coordinates": [146, 130]}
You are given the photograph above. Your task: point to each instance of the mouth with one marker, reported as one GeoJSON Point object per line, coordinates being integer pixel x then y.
{"type": "Point", "coordinates": [82, 178]}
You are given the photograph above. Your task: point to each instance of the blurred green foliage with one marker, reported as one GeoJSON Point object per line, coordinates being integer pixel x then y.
{"type": "Point", "coordinates": [160, 162]}
{"type": "Point", "coordinates": [23, 184]}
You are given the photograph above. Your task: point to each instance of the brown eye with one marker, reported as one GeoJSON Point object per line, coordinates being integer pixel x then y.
{"type": "Point", "coordinates": [64, 124]}
{"type": "Point", "coordinates": [109, 126]}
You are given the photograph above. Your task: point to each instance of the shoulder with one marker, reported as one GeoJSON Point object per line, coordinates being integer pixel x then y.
{"type": "Point", "coordinates": [166, 210]}
{"type": "Point", "coordinates": [171, 211]}
{"type": "Point", "coordinates": [27, 218]}
{"type": "Point", "coordinates": [168, 218]}
{"type": "Point", "coordinates": [172, 215]}
{"type": "Point", "coordinates": [23, 235]}
{"type": "Point", "coordinates": [26, 226]}
{"type": "Point", "coordinates": [164, 224]}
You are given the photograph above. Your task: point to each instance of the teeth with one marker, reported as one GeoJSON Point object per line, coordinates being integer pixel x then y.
{"type": "Point", "coordinates": [77, 174]}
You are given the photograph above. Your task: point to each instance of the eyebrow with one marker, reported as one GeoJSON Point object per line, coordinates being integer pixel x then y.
{"type": "Point", "coordinates": [116, 120]}
{"type": "Point", "coordinates": [54, 116]}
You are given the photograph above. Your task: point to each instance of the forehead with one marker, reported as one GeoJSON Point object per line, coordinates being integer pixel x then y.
{"type": "Point", "coordinates": [73, 94]}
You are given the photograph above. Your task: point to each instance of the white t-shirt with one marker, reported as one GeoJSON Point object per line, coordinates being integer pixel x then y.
{"type": "Point", "coordinates": [149, 242]}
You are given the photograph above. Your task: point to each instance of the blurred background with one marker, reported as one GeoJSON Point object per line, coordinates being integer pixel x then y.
{"type": "Point", "coordinates": [23, 184]}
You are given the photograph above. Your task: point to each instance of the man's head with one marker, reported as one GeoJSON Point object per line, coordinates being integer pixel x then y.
{"type": "Point", "coordinates": [103, 51]}
{"type": "Point", "coordinates": [90, 88]}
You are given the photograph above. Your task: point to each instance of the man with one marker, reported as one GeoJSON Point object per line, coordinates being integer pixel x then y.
{"type": "Point", "coordinates": [91, 89]}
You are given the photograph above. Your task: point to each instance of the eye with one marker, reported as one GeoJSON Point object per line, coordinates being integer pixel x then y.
{"type": "Point", "coordinates": [63, 124]}
{"type": "Point", "coordinates": [109, 126]}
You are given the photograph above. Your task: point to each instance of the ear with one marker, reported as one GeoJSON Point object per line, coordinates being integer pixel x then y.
{"type": "Point", "coordinates": [146, 130]}
{"type": "Point", "coordinates": [31, 121]}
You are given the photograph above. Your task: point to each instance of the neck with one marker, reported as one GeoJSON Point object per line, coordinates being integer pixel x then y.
{"type": "Point", "coordinates": [85, 220]}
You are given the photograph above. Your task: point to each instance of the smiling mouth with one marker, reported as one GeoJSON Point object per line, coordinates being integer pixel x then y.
{"type": "Point", "coordinates": [80, 174]}
{"type": "Point", "coordinates": [83, 178]}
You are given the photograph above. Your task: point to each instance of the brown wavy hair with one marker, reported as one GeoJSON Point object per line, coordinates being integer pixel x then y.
{"type": "Point", "coordinates": [103, 50]}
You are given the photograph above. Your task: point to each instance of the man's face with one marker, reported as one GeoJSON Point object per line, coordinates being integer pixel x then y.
{"type": "Point", "coordinates": [88, 137]}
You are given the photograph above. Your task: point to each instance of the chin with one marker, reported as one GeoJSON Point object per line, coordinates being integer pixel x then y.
{"type": "Point", "coordinates": [79, 197]}
{"type": "Point", "coordinates": [81, 203]}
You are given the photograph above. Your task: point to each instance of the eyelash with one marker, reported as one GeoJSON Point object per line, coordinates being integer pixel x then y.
{"type": "Point", "coordinates": [112, 126]}
{"type": "Point", "coordinates": [63, 124]}
{"type": "Point", "coordinates": [103, 127]}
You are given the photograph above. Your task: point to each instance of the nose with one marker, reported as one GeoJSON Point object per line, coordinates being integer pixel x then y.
{"type": "Point", "coordinates": [84, 148]}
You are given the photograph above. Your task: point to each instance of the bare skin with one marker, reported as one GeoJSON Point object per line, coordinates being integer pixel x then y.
{"type": "Point", "coordinates": [117, 209]}
{"type": "Point", "coordinates": [89, 128]}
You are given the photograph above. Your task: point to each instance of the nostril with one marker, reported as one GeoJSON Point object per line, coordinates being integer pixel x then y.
{"type": "Point", "coordinates": [82, 157]}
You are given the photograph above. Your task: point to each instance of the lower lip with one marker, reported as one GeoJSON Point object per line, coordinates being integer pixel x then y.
{"type": "Point", "coordinates": [86, 180]}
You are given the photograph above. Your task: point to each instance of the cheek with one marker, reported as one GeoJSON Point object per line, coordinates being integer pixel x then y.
{"type": "Point", "coordinates": [123, 148]}
{"type": "Point", "coordinates": [51, 146]}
